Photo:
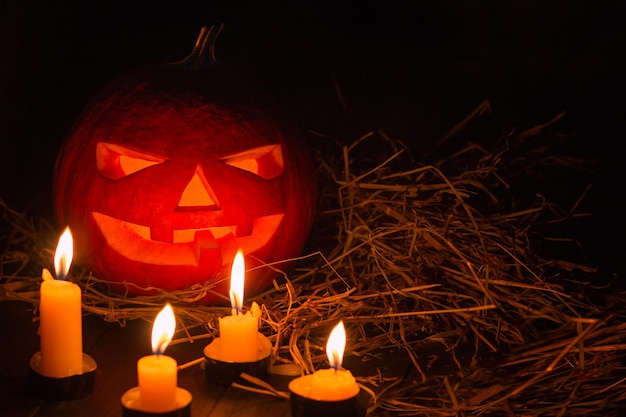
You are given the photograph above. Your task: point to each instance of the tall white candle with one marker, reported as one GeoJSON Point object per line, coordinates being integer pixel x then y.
{"type": "Point", "coordinates": [238, 332]}
{"type": "Point", "coordinates": [60, 307]}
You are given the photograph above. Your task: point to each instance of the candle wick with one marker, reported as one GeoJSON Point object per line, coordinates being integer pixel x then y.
{"type": "Point", "coordinates": [236, 304]}
{"type": "Point", "coordinates": [335, 362]}
{"type": "Point", "coordinates": [161, 345]}
{"type": "Point", "coordinates": [62, 268]}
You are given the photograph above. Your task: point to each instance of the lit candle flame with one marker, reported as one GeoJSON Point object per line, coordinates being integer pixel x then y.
{"type": "Point", "coordinates": [237, 283]}
{"type": "Point", "coordinates": [64, 254]}
{"type": "Point", "coordinates": [163, 330]}
{"type": "Point", "coordinates": [336, 346]}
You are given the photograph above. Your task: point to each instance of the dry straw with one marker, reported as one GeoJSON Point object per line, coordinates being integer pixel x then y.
{"type": "Point", "coordinates": [450, 308]}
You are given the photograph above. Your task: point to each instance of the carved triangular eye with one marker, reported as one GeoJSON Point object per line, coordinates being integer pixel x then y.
{"type": "Point", "coordinates": [264, 161]}
{"type": "Point", "coordinates": [115, 161]}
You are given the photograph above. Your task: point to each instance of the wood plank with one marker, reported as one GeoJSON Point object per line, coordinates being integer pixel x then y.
{"type": "Point", "coordinates": [117, 348]}
{"type": "Point", "coordinates": [240, 403]}
{"type": "Point", "coordinates": [19, 341]}
{"type": "Point", "coordinates": [116, 354]}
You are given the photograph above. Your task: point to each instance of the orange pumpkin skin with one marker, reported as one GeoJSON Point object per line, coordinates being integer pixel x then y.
{"type": "Point", "coordinates": [170, 170]}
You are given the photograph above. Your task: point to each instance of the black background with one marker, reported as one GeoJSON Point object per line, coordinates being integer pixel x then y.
{"type": "Point", "coordinates": [413, 69]}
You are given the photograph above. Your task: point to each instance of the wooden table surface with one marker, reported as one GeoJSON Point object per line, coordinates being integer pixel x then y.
{"type": "Point", "coordinates": [116, 350]}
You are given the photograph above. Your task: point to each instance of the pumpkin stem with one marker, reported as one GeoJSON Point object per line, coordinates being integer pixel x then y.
{"type": "Point", "coordinates": [203, 53]}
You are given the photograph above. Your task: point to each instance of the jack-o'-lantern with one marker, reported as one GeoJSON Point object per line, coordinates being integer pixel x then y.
{"type": "Point", "coordinates": [173, 168]}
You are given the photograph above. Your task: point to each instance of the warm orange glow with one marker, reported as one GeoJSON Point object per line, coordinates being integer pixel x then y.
{"type": "Point", "coordinates": [134, 242]}
{"type": "Point", "coordinates": [115, 162]}
{"type": "Point", "coordinates": [64, 254]}
{"type": "Point", "coordinates": [198, 193]}
{"type": "Point", "coordinates": [163, 330]}
{"type": "Point", "coordinates": [264, 161]}
{"type": "Point", "coordinates": [336, 346]}
{"type": "Point", "coordinates": [237, 283]}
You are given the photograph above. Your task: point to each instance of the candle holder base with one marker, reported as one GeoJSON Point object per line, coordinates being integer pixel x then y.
{"type": "Point", "coordinates": [280, 375]}
{"type": "Point", "coordinates": [220, 372]}
{"type": "Point", "coordinates": [131, 405]}
{"type": "Point", "coordinates": [307, 407]}
{"type": "Point", "coordinates": [62, 388]}
{"type": "Point", "coordinates": [304, 406]}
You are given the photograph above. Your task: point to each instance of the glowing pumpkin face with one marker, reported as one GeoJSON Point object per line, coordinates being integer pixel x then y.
{"type": "Point", "coordinates": [168, 173]}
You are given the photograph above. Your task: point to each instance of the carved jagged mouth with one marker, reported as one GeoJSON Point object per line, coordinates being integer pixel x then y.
{"type": "Point", "coordinates": [133, 241]}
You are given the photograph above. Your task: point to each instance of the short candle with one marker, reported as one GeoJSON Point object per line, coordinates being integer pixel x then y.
{"type": "Point", "coordinates": [238, 332]}
{"type": "Point", "coordinates": [157, 373]}
{"type": "Point", "coordinates": [334, 384]}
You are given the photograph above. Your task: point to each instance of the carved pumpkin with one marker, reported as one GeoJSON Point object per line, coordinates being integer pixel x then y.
{"type": "Point", "coordinates": [173, 168]}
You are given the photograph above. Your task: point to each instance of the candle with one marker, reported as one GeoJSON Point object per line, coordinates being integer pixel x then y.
{"type": "Point", "coordinates": [157, 373]}
{"type": "Point", "coordinates": [60, 307]}
{"type": "Point", "coordinates": [238, 332]}
{"type": "Point", "coordinates": [334, 384]}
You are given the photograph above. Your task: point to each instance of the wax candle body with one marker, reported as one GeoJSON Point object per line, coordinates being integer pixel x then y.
{"type": "Point", "coordinates": [333, 385]}
{"type": "Point", "coordinates": [157, 377]}
{"type": "Point", "coordinates": [238, 338]}
{"type": "Point", "coordinates": [60, 329]}
{"type": "Point", "coordinates": [326, 385]}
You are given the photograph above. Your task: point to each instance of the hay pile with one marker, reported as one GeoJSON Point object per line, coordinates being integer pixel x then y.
{"type": "Point", "coordinates": [449, 306]}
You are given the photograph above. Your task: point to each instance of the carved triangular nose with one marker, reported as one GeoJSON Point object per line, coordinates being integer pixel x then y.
{"type": "Point", "coordinates": [198, 194]}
